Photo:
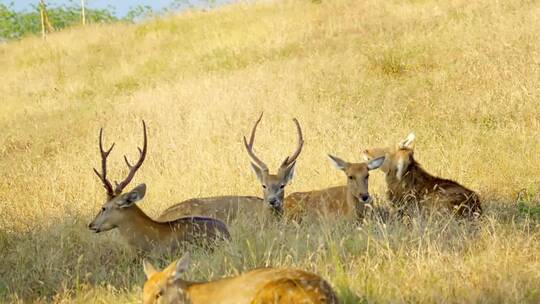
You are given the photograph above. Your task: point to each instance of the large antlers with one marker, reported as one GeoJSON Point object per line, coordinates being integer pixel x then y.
{"type": "Point", "coordinates": [249, 147]}
{"type": "Point", "coordinates": [111, 193]}
{"type": "Point", "coordinates": [291, 159]}
{"type": "Point", "coordinates": [103, 175]}
{"type": "Point", "coordinates": [288, 160]}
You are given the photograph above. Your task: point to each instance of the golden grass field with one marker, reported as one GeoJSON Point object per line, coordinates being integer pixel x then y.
{"type": "Point", "coordinates": [463, 75]}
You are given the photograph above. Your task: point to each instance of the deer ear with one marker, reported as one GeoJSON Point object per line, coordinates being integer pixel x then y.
{"type": "Point", "coordinates": [133, 196]}
{"type": "Point", "coordinates": [338, 162]}
{"type": "Point", "coordinates": [408, 143]}
{"type": "Point", "coordinates": [287, 173]}
{"type": "Point", "coordinates": [149, 269]}
{"type": "Point", "coordinates": [375, 163]}
{"type": "Point", "coordinates": [181, 266]}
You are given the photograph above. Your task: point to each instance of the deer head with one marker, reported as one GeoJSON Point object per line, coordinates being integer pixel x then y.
{"type": "Point", "coordinates": [357, 176]}
{"type": "Point", "coordinates": [398, 157]}
{"type": "Point", "coordinates": [166, 286]}
{"type": "Point", "coordinates": [111, 212]}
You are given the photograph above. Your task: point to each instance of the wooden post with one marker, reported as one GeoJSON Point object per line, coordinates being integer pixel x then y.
{"type": "Point", "coordinates": [46, 26]}
{"type": "Point", "coordinates": [42, 14]}
{"type": "Point", "coordinates": [83, 15]}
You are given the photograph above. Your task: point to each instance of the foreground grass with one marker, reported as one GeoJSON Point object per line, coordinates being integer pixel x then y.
{"type": "Point", "coordinates": [464, 76]}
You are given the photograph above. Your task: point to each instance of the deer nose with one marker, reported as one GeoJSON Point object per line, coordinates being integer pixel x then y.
{"type": "Point", "coordinates": [364, 197]}
{"type": "Point", "coordinates": [273, 202]}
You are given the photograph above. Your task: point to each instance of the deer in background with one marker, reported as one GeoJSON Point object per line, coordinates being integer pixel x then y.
{"type": "Point", "coordinates": [120, 211]}
{"type": "Point", "coordinates": [349, 201]}
{"type": "Point", "coordinates": [410, 185]}
{"type": "Point", "coordinates": [227, 207]}
{"type": "Point", "coordinates": [274, 184]}
{"type": "Point", "coordinates": [258, 286]}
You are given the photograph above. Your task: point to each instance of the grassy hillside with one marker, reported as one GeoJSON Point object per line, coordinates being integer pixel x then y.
{"type": "Point", "coordinates": [463, 76]}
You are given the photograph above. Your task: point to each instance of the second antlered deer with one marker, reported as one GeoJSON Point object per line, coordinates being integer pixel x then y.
{"type": "Point", "coordinates": [120, 211]}
{"type": "Point", "coordinates": [228, 207]}
{"type": "Point", "coordinates": [274, 184]}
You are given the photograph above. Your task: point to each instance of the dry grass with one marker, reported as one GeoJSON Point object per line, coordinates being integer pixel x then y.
{"type": "Point", "coordinates": [463, 75]}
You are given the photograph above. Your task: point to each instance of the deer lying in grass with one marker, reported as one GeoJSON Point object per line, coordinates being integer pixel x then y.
{"type": "Point", "coordinates": [224, 208]}
{"type": "Point", "coordinates": [120, 211]}
{"type": "Point", "coordinates": [347, 201]}
{"type": "Point", "coordinates": [259, 286]}
{"type": "Point", "coordinates": [410, 185]}
{"type": "Point", "coordinates": [273, 185]}
{"type": "Point", "coordinates": [227, 207]}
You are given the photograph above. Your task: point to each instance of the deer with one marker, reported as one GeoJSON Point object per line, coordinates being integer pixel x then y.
{"type": "Point", "coordinates": [258, 286]}
{"type": "Point", "coordinates": [350, 201]}
{"type": "Point", "coordinates": [142, 232]}
{"type": "Point", "coordinates": [273, 185]}
{"type": "Point", "coordinates": [226, 208]}
{"type": "Point", "coordinates": [409, 184]}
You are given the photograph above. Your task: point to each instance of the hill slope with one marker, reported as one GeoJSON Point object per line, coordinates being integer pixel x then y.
{"type": "Point", "coordinates": [463, 76]}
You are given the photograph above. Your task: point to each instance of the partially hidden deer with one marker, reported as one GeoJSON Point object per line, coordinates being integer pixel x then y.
{"type": "Point", "coordinates": [350, 201]}
{"type": "Point", "coordinates": [228, 207]}
{"type": "Point", "coordinates": [121, 211]}
{"type": "Point", "coordinates": [225, 208]}
{"type": "Point", "coordinates": [258, 286]}
{"type": "Point", "coordinates": [410, 185]}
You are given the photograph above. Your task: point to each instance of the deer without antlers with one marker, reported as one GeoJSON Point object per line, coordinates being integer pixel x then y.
{"type": "Point", "coordinates": [410, 185]}
{"type": "Point", "coordinates": [120, 211]}
{"type": "Point", "coordinates": [258, 286]}
{"type": "Point", "coordinates": [347, 201]}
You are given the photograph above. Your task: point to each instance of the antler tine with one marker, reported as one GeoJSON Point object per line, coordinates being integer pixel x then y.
{"type": "Point", "coordinates": [290, 159]}
{"type": "Point", "coordinates": [103, 176]}
{"type": "Point", "coordinates": [249, 146]}
{"type": "Point", "coordinates": [133, 168]}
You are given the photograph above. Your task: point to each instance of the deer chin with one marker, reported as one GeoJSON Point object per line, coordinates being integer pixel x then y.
{"type": "Point", "coordinates": [276, 209]}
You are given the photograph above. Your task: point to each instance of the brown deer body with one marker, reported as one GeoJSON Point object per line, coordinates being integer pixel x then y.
{"type": "Point", "coordinates": [224, 208]}
{"type": "Point", "coordinates": [410, 185]}
{"type": "Point", "coordinates": [259, 286]}
{"type": "Point", "coordinates": [348, 201]}
{"type": "Point", "coordinates": [120, 211]}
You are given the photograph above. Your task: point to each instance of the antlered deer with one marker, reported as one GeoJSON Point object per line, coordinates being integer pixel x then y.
{"type": "Point", "coordinates": [347, 201]}
{"type": "Point", "coordinates": [258, 286]}
{"type": "Point", "coordinates": [227, 207]}
{"type": "Point", "coordinates": [120, 211]}
{"type": "Point", "coordinates": [274, 184]}
{"type": "Point", "coordinates": [409, 184]}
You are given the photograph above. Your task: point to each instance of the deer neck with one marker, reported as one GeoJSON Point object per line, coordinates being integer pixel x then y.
{"type": "Point", "coordinates": [139, 229]}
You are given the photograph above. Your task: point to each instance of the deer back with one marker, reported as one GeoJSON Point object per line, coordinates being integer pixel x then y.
{"type": "Point", "coordinates": [224, 208]}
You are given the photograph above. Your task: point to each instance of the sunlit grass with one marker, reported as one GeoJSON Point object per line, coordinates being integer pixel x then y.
{"type": "Point", "coordinates": [463, 76]}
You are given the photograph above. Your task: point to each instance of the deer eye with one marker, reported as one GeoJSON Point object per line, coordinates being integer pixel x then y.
{"type": "Point", "coordinates": [159, 294]}
{"type": "Point", "coordinates": [281, 186]}
{"type": "Point", "coordinates": [103, 209]}
{"type": "Point", "coordinates": [350, 177]}
{"type": "Point", "coordinates": [264, 186]}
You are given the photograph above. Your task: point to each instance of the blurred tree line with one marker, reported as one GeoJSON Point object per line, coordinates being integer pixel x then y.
{"type": "Point", "coordinates": [16, 24]}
